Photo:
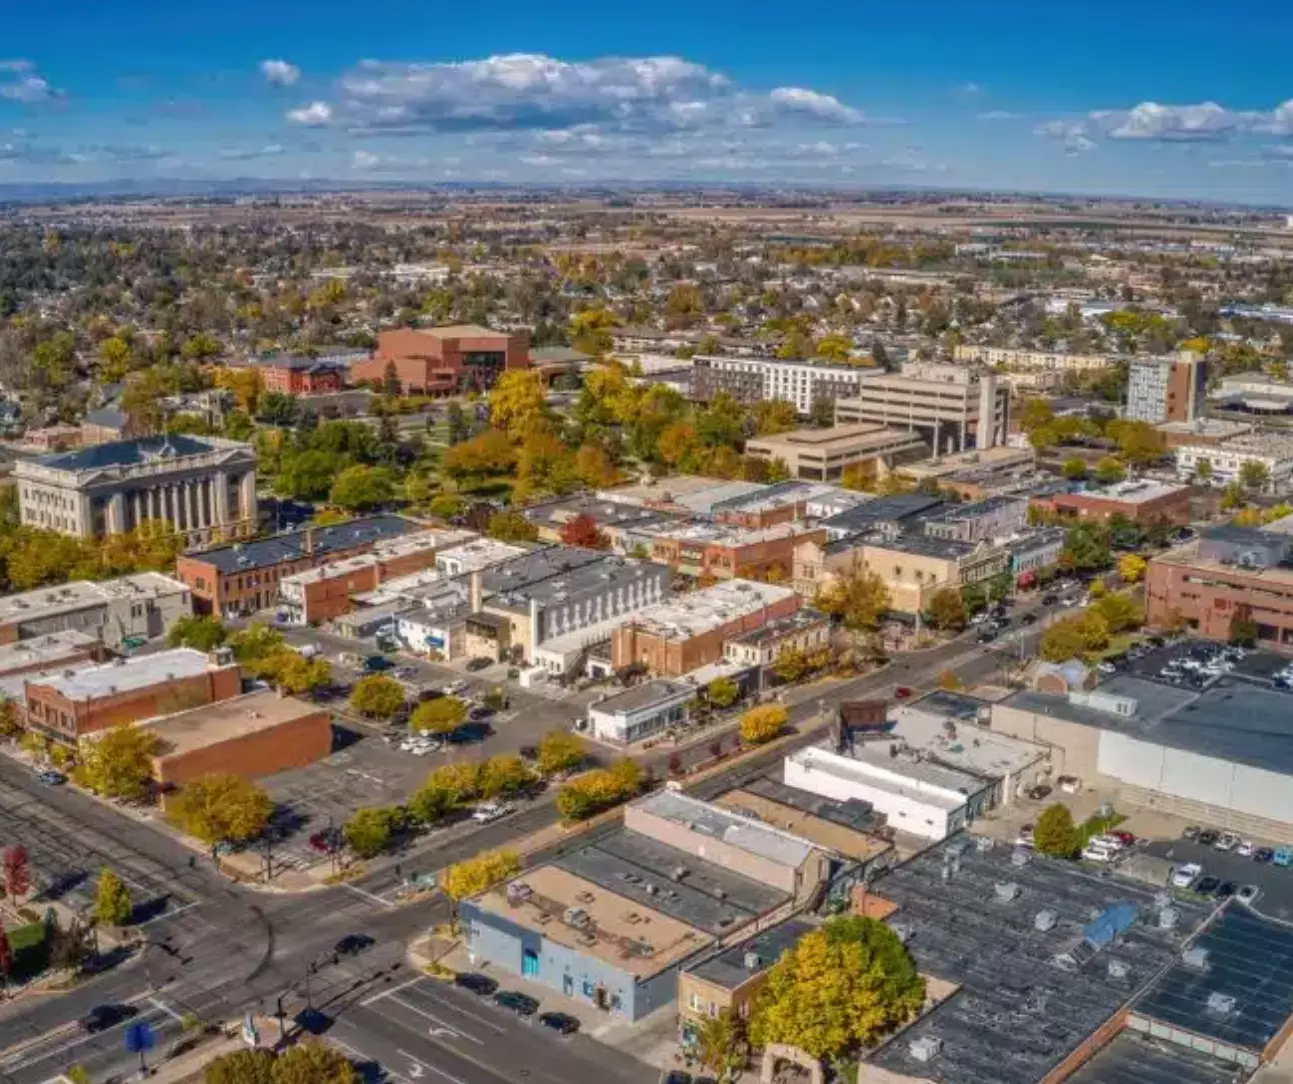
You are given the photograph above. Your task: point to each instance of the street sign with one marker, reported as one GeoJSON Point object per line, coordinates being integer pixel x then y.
{"type": "Point", "coordinates": [249, 1034]}
{"type": "Point", "coordinates": [139, 1037]}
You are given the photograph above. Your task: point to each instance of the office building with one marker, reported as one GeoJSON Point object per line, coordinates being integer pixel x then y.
{"type": "Point", "coordinates": [683, 634]}
{"type": "Point", "coordinates": [913, 568]}
{"type": "Point", "coordinates": [1142, 501]}
{"type": "Point", "coordinates": [203, 487]}
{"type": "Point", "coordinates": [822, 455]}
{"type": "Point", "coordinates": [951, 407]}
{"type": "Point", "coordinates": [1036, 360]}
{"type": "Point", "coordinates": [120, 613]}
{"type": "Point", "coordinates": [992, 517]}
{"type": "Point", "coordinates": [974, 475]}
{"type": "Point", "coordinates": [243, 577]}
{"type": "Point", "coordinates": [1262, 455]}
{"type": "Point", "coordinates": [802, 382]}
{"type": "Point", "coordinates": [443, 360]}
{"type": "Point", "coordinates": [1253, 394]}
{"type": "Point", "coordinates": [1170, 389]}
{"type": "Point", "coordinates": [640, 712]}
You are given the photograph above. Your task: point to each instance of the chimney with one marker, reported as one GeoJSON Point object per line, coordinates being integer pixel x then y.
{"type": "Point", "coordinates": [474, 591]}
{"type": "Point", "coordinates": [309, 541]}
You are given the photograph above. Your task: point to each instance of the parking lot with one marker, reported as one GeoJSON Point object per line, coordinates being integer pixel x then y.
{"type": "Point", "coordinates": [1275, 882]}
{"type": "Point", "coordinates": [1189, 664]}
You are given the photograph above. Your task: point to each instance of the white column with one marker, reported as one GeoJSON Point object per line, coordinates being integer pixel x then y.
{"type": "Point", "coordinates": [137, 506]}
{"type": "Point", "coordinates": [247, 498]}
{"type": "Point", "coordinates": [173, 505]}
{"type": "Point", "coordinates": [191, 492]}
{"type": "Point", "coordinates": [221, 503]}
{"type": "Point", "coordinates": [116, 513]}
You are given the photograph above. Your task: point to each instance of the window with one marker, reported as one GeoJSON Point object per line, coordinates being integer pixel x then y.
{"type": "Point", "coordinates": [695, 1003]}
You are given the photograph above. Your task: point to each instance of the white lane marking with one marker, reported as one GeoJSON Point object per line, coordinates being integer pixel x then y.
{"type": "Point", "coordinates": [422, 1065]}
{"type": "Point", "coordinates": [367, 895]}
{"type": "Point", "coordinates": [16, 1062]}
{"type": "Point", "coordinates": [491, 1024]}
{"type": "Point", "coordinates": [393, 990]}
{"type": "Point", "coordinates": [440, 1024]}
{"type": "Point", "coordinates": [163, 1007]}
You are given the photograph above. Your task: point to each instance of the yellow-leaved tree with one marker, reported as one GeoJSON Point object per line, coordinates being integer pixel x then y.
{"type": "Point", "coordinates": [477, 875]}
{"type": "Point", "coordinates": [762, 724]}
{"type": "Point", "coordinates": [518, 403]}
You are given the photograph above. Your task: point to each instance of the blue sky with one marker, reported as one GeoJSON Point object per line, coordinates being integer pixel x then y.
{"type": "Point", "coordinates": [1180, 99]}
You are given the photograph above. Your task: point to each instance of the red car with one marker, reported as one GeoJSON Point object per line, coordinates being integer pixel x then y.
{"type": "Point", "coordinates": [1125, 838]}
{"type": "Point", "coordinates": [902, 692]}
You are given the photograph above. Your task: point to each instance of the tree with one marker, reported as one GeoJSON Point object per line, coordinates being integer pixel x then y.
{"type": "Point", "coordinates": [790, 664]}
{"type": "Point", "coordinates": [460, 783]}
{"type": "Point", "coordinates": [860, 599]}
{"type": "Point", "coordinates": [1131, 568]}
{"type": "Point", "coordinates": [6, 956]}
{"type": "Point", "coordinates": [10, 728]}
{"type": "Point", "coordinates": [200, 632]}
{"type": "Point", "coordinates": [1139, 443]}
{"type": "Point", "coordinates": [112, 903]}
{"type": "Point", "coordinates": [1254, 476]}
{"type": "Point", "coordinates": [368, 831]}
{"type": "Point", "coordinates": [1086, 548]}
{"type": "Point", "coordinates": [560, 751]}
{"type": "Point", "coordinates": [1119, 612]}
{"type": "Point", "coordinates": [446, 505]}
{"type": "Point", "coordinates": [1075, 637]}
{"type": "Point", "coordinates": [479, 874]}
{"type": "Point", "coordinates": [822, 414]}
{"type": "Point", "coordinates": [241, 1067]}
{"type": "Point", "coordinates": [950, 681]}
{"type": "Point", "coordinates": [1108, 471]}
{"type": "Point", "coordinates": [593, 466]}
{"type": "Point", "coordinates": [293, 673]}
{"type": "Point", "coordinates": [221, 807]}
{"type": "Point", "coordinates": [518, 403]}
{"type": "Point", "coordinates": [1243, 629]}
{"type": "Point", "coordinates": [17, 873]}
{"type": "Point", "coordinates": [1074, 469]}
{"type": "Point", "coordinates": [599, 789]}
{"type": "Point", "coordinates": [361, 489]}
{"type": "Point", "coordinates": [256, 642]}
{"type": "Point", "coordinates": [772, 416]}
{"type": "Point", "coordinates": [313, 1063]}
{"type": "Point", "coordinates": [511, 527]}
{"type": "Point", "coordinates": [839, 989]}
{"type": "Point", "coordinates": [503, 776]}
{"type": "Point", "coordinates": [722, 692]}
{"type": "Point", "coordinates": [760, 725]}
{"type": "Point", "coordinates": [488, 453]}
{"type": "Point", "coordinates": [391, 384]}
{"type": "Point", "coordinates": [438, 716]}
{"type": "Point", "coordinates": [582, 530]}
{"type": "Point", "coordinates": [377, 697]}
{"type": "Point", "coordinates": [1055, 833]}
{"type": "Point", "coordinates": [1203, 470]}
{"type": "Point", "coordinates": [946, 610]}
{"type": "Point", "coordinates": [119, 762]}
{"type": "Point", "coordinates": [720, 1045]}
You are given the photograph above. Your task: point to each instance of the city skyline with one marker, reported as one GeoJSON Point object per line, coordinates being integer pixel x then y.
{"type": "Point", "coordinates": [1150, 103]}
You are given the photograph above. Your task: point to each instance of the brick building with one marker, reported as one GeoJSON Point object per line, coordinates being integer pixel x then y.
{"type": "Point", "coordinates": [443, 360]}
{"type": "Point", "coordinates": [292, 374]}
{"type": "Point", "coordinates": [704, 549]}
{"type": "Point", "coordinates": [77, 702]}
{"type": "Point", "coordinates": [244, 577]}
{"type": "Point", "coordinates": [683, 634]}
{"type": "Point", "coordinates": [1144, 503]}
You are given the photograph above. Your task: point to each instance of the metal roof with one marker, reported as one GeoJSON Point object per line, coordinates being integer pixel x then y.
{"type": "Point", "coordinates": [263, 552]}
{"type": "Point", "coordinates": [1134, 1059]}
{"type": "Point", "coordinates": [729, 968]}
{"type": "Point", "coordinates": [129, 453]}
{"type": "Point", "coordinates": [715, 822]}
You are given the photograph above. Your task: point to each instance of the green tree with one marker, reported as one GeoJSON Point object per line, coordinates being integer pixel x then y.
{"type": "Point", "coordinates": [361, 489]}
{"type": "Point", "coordinates": [790, 665]}
{"type": "Point", "coordinates": [1086, 548]}
{"type": "Point", "coordinates": [503, 776]}
{"type": "Point", "coordinates": [221, 807]}
{"type": "Point", "coordinates": [822, 414]}
{"type": "Point", "coordinates": [119, 764]}
{"type": "Point", "coordinates": [1074, 469]}
{"type": "Point", "coordinates": [722, 692]}
{"type": "Point", "coordinates": [369, 830]}
{"type": "Point", "coordinates": [202, 633]}
{"type": "Point", "coordinates": [1055, 834]}
{"type": "Point", "coordinates": [946, 610]}
{"type": "Point", "coordinates": [1203, 470]}
{"type": "Point", "coordinates": [1108, 471]}
{"type": "Point", "coordinates": [560, 751]}
{"type": "Point", "coordinates": [377, 697]}
{"type": "Point", "coordinates": [721, 1046]}
{"type": "Point", "coordinates": [1254, 476]}
{"type": "Point", "coordinates": [438, 716]}
{"type": "Point", "coordinates": [511, 527]}
{"type": "Point", "coordinates": [112, 903]}
{"type": "Point", "coordinates": [446, 505]}
{"type": "Point", "coordinates": [1243, 629]}
{"type": "Point", "coordinates": [256, 642]}
{"type": "Point", "coordinates": [10, 727]}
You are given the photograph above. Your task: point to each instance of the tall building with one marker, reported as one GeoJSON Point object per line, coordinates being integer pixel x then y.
{"type": "Point", "coordinates": [444, 360]}
{"type": "Point", "coordinates": [799, 381]}
{"type": "Point", "coordinates": [204, 487]}
{"type": "Point", "coordinates": [1167, 389]}
{"type": "Point", "coordinates": [953, 408]}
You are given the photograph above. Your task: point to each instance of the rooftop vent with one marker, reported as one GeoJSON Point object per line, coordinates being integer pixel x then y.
{"type": "Point", "coordinates": [1006, 891]}
{"type": "Point", "coordinates": [926, 1048]}
{"type": "Point", "coordinates": [1168, 917]}
{"type": "Point", "coordinates": [902, 931]}
{"type": "Point", "coordinates": [1220, 1004]}
{"type": "Point", "coordinates": [1045, 920]}
{"type": "Point", "coordinates": [575, 917]}
{"type": "Point", "coordinates": [518, 892]}
{"type": "Point", "coordinates": [1019, 856]}
{"type": "Point", "coordinates": [1118, 969]}
{"type": "Point", "coordinates": [753, 961]}
{"type": "Point", "coordinates": [1195, 958]}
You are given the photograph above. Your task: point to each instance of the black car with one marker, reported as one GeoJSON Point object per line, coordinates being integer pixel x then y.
{"type": "Point", "coordinates": [1028, 619]}
{"type": "Point", "coordinates": [1038, 792]}
{"type": "Point", "coordinates": [480, 663]}
{"type": "Point", "coordinates": [1209, 836]}
{"type": "Point", "coordinates": [1263, 854]}
{"type": "Point", "coordinates": [469, 732]}
{"type": "Point", "coordinates": [102, 1017]}
{"type": "Point", "coordinates": [676, 1076]}
{"type": "Point", "coordinates": [1190, 832]}
{"type": "Point", "coordinates": [353, 944]}
{"type": "Point", "coordinates": [1225, 890]}
{"type": "Point", "coordinates": [521, 1004]}
{"type": "Point", "coordinates": [560, 1022]}
{"type": "Point", "coordinates": [1206, 886]}
{"type": "Point", "coordinates": [1050, 600]}
{"type": "Point", "coordinates": [375, 664]}
{"type": "Point", "coordinates": [481, 985]}
{"type": "Point", "coordinates": [987, 636]}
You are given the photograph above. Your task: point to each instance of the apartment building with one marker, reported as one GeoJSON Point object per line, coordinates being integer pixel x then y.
{"type": "Point", "coordinates": [244, 577]}
{"type": "Point", "coordinates": [203, 487]}
{"type": "Point", "coordinates": [682, 634]}
{"type": "Point", "coordinates": [1045, 360]}
{"type": "Point", "coordinates": [1171, 389]}
{"type": "Point", "coordinates": [822, 455]}
{"type": "Point", "coordinates": [1225, 461]}
{"type": "Point", "coordinates": [801, 381]}
{"type": "Point", "coordinates": [444, 360]}
{"type": "Point", "coordinates": [1224, 574]}
{"type": "Point", "coordinates": [1143, 502]}
{"type": "Point", "coordinates": [120, 613]}
{"type": "Point", "coordinates": [81, 701]}
{"type": "Point", "coordinates": [951, 407]}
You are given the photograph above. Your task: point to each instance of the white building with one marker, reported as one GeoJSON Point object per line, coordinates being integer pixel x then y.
{"type": "Point", "coordinates": [640, 711]}
{"type": "Point", "coordinates": [1043, 360]}
{"type": "Point", "coordinates": [1273, 452]}
{"type": "Point", "coordinates": [799, 381]}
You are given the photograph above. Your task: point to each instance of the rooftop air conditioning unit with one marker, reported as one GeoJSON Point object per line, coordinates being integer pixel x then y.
{"type": "Point", "coordinates": [575, 917]}
{"type": "Point", "coordinates": [1220, 1004]}
{"type": "Point", "coordinates": [1045, 920]}
{"type": "Point", "coordinates": [926, 1048]}
{"type": "Point", "coordinates": [1168, 917]}
{"type": "Point", "coordinates": [1118, 969]}
{"type": "Point", "coordinates": [753, 961]}
{"type": "Point", "coordinates": [1195, 958]}
{"type": "Point", "coordinates": [1006, 891]}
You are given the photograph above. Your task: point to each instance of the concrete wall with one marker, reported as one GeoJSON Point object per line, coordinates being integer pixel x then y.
{"type": "Point", "coordinates": [1075, 749]}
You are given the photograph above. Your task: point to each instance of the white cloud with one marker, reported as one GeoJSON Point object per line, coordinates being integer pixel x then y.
{"type": "Point", "coordinates": [968, 90]}
{"type": "Point", "coordinates": [798, 100]}
{"type": "Point", "coordinates": [540, 160]}
{"type": "Point", "coordinates": [1073, 134]}
{"type": "Point", "coordinates": [314, 115]}
{"type": "Point", "coordinates": [248, 154]}
{"type": "Point", "coordinates": [1149, 120]}
{"type": "Point", "coordinates": [365, 160]}
{"type": "Point", "coordinates": [30, 88]}
{"type": "Point", "coordinates": [821, 149]}
{"type": "Point", "coordinates": [997, 114]}
{"type": "Point", "coordinates": [280, 72]}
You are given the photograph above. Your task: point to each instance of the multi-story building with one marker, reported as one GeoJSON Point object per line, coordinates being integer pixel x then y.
{"type": "Point", "coordinates": [1271, 456]}
{"type": "Point", "coordinates": [805, 630]}
{"type": "Point", "coordinates": [293, 374]}
{"type": "Point", "coordinates": [976, 474]}
{"type": "Point", "coordinates": [913, 569]}
{"type": "Point", "coordinates": [118, 613]}
{"type": "Point", "coordinates": [685, 633]}
{"type": "Point", "coordinates": [477, 556]}
{"type": "Point", "coordinates": [1045, 360]}
{"type": "Point", "coordinates": [802, 382]}
{"type": "Point", "coordinates": [54, 651]}
{"type": "Point", "coordinates": [992, 517]}
{"type": "Point", "coordinates": [708, 549]}
{"type": "Point", "coordinates": [80, 701]}
{"type": "Point", "coordinates": [1169, 389]}
{"type": "Point", "coordinates": [822, 455]}
{"type": "Point", "coordinates": [443, 360]}
{"type": "Point", "coordinates": [204, 487]}
{"type": "Point", "coordinates": [1143, 502]}
{"type": "Point", "coordinates": [1224, 574]}
{"type": "Point", "coordinates": [952, 407]}
{"type": "Point", "coordinates": [1253, 393]}
{"type": "Point", "coordinates": [243, 577]}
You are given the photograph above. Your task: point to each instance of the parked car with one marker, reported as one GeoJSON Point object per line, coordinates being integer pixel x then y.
{"type": "Point", "coordinates": [1069, 784]}
{"type": "Point", "coordinates": [1185, 875]}
{"type": "Point", "coordinates": [52, 778]}
{"type": "Point", "coordinates": [1050, 599]}
{"type": "Point", "coordinates": [326, 841]}
{"type": "Point", "coordinates": [1040, 791]}
{"type": "Point", "coordinates": [1263, 854]}
{"type": "Point", "coordinates": [521, 1004]}
{"type": "Point", "coordinates": [488, 812]}
{"type": "Point", "coordinates": [102, 1017]}
{"type": "Point", "coordinates": [1228, 841]}
{"type": "Point", "coordinates": [1209, 836]}
{"type": "Point", "coordinates": [473, 983]}
{"type": "Point", "coordinates": [1283, 856]}
{"type": "Point", "coordinates": [1127, 839]}
{"type": "Point", "coordinates": [1246, 849]}
{"type": "Point", "coordinates": [676, 1076]}
{"type": "Point", "coordinates": [353, 944]}
{"type": "Point", "coordinates": [454, 688]}
{"type": "Point", "coordinates": [560, 1022]}
{"type": "Point", "coordinates": [481, 662]}
{"type": "Point", "coordinates": [1025, 837]}
{"type": "Point", "coordinates": [1100, 850]}
{"type": "Point", "coordinates": [375, 664]}
{"type": "Point", "coordinates": [1028, 619]}
{"type": "Point", "coordinates": [1191, 832]}
{"type": "Point", "coordinates": [902, 692]}
{"type": "Point", "coordinates": [1225, 890]}
{"type": "Point", "coordinates": [1248, 894]}
{"type": "Point", "coordinates": [1206, 886]}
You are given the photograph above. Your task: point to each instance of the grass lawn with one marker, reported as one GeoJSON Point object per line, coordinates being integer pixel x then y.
{"type": "Point", "coordinates": [30, 949]}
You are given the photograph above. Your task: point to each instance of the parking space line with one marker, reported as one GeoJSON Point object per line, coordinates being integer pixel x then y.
{"type": "Point", "coordinates": [163, 1007]}
{"type": "Point", "coordinates": [169, 914]}
{"type": "Point", "coordinates": [394, 989]}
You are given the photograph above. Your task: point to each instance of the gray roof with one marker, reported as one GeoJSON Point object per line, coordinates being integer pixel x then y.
{"type": "Point", "coordinates": [107, 417]}
{"type": "Point", "coordinates": [1249, 959]}
{"type": "Point", "coordinates": [946, 548]}
{"type": "Point", "coordinates": [855, 813]}
{"type": "Point", "coordinates": [728, 969]}
{"type": "Point", "coordinates": [1017, 1015]}
{"type": "Point", "coordinates": [591, 578]}
{"type": "Point", "coordinates": [734, 829]}
{"type": "Point", "coordinates": [1135, 1059]}
{"type": "Point", "coordinates": [123, 675]}
{"type": "Point", "coordinates": [263, 552]}
{"type": "Point", "coordinates": [1233, 719]}
{"type": "Point", "coordinates": [643, 696]}
{"type": "Point", "coordinates": [540, 355]}
{"type": "Point", "coordinates": [979, 508]}
{"type": "Point", "coordinates": [306, 364]}
{"type": "Point", "coordinates": [897, 506]}
{"type": "Point", "coordinates": [127, 453]}
{"type": "Point", "coordinates": [521, 573]}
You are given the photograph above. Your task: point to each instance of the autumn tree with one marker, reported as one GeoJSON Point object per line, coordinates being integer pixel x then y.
{"type": "Point", "coordinates": [17, 872]}
{"type": "Point", "coordinates": [377, 697]}
{"type": "Point", "coordinates": [511, 527]}
{"type": "Point", "coordinates": [560, 751]}
{"type": "Point", "coordinates": [791, 664]}
{"type": "Point", "coordinates": [368, 831]}
{"type": "Point", "coordinates": [293, 673]}
{"type": "Point", "coordinates": [518, 403]}
{"type": "Point", "coordinates": [582, 530]}
{"type": "Point", "coordinates": [760, 725]}
{"type": "Point", "coordinates": [721, 1045]}
{"type": "Point", "coordinates": [946, 610]}
{"type": "Point", "coordinates": [1131, 568]}
{"type": "Point", "coordinates": [1055, 834]}
{"type": "Point", "coordinates": [488, 453]}
{"type": "Point", "coordinates": [438, 716]}
{"type": "Point", "coordinates": [199, 631]}
{"type": "Point", "coordinates": [772, 416]}
{"type": "Point", "coordinates": [119, 762]}
{"type": "Point", "coordinates": [241, 1067]}
{"type": "Point", "coordinates": [112, 902]}
{"type": "Point", "coordinates": [599, 789]}
{"type": "Point", "coordinates": [10, 727]}
{"type": "Point", "coordinates": [860, 599]}
{"type": "Point", "coordinates": [312, 1062]}
{"type": "Point", "coordinates": [479, 874]}
{"type": "Point", "coordinates": [503, 776]}
{"type": "Point", "coordinates": [1075, 469]}
{"type": "Point", "coordinates": [1108, 471]}
{"type": "Point", "coordinates": [1074, 637]}
{"type": "Point", "coordinates": [593, 467]}
{"type": "Point", "coordinates": [221, 807]}
{"type": "Point", "coordinates": [722, 692]}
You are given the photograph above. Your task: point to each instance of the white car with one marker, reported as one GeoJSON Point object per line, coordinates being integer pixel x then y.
{"type": "Point", "coordinates": [454, 687]}
{"type": "Point", "coordinates": [1185, 875]}
{"type": "Point", "coordinates": [1246, 849]}
{"type": "Point", "coordinates": [1096, 851]}
{"type": "Point", "coordinates": [1228, 842]}
{"type": "Point", "coordinates": [488, 812]}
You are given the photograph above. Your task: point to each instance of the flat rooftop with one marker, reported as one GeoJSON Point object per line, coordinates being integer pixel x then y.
{"type": "Point", "coordinates": [986, 459]}
{"type": "Point", "coordinates": [1232, 719]}
{"type": "Point", "coordinates": [329, 571]}
{"type": "Point", "coordinates": [781, 628]}
{"type": "Point", "coordinates": [419, 542]}
{"type": "Point", "coordinates": [670, 490]}
{"type": "Point", "coordinates": [44, 650]}
{"type": "Point", "coordinates": [828, 835]}
{"type": "Point", "coordinates": [857, 816]}
{"type": "Point", "coordinates": [896, 507]}
{"type": "Point", "coordinates": [735, 829]}
{"type": "Point", "coordinates": [958, 740]}
{"type": "Point", "coordinates": [227, 720]}
{"type": "Point", "coordinates": [591, 578]}
{"type": "Point", "coordinates": [534, 566]}
{"type": "Point", "coordinates": [607, 513]}
{"type": "Point", "coordinates": [730, 968]}
{"type": "Point", "coordinates": [125, 675]}
{"type": "Point", "coordinates": [870, 765]}
{"type": "Point", "coordinates": [1133, 491]}
{"type": "Point", "coordinates": [1249, 960]}
{"type": "Point", "coordinates": [295, 545]}
{"type": "Point", "coordinates": [855, 437]}
{"type": "Point", "coordinates": [1135, 1059]}
{"type": "Point", "coordinates": [83, 594]}
{"type": "Point", "coordinates": [706, 896]}
{"type": "Point", "coordinates": [702, 611]}
{"type": "Point", "coordinates": [477, 555]}
{"type": "Point", "coordinates": [642, 696]}
{"type": "Point", "coordinates": [919, 545]}
{"type": "Point", "coordinates": [1017, 1015]}
{"type": "Point", "coordinates": [714, 534]}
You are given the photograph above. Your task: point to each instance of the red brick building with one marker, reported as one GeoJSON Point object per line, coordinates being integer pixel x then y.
{"type": "Point", "coordinates": [728, 552]}
{"type": "Point", "coordinates": [443, 360]}
{"type": "Point", "coordinates": [289, 374]}
{"type": "Point", "coordinates": [1142, 502]}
